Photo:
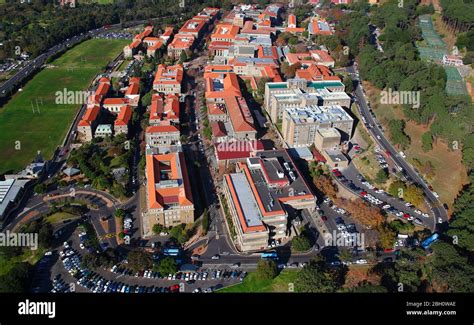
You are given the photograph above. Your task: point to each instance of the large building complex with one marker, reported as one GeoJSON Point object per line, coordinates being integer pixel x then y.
{"type": "Point", "coordinates": [262, 194]}
{"type": "Point", "coordinates": [168, 79]}
{"type": "Point", "coordinates": [300, 125]}
{"type": "Point", "coordinates": [169, 197]}
{"type": "Point", "coordinates": [301, 93]}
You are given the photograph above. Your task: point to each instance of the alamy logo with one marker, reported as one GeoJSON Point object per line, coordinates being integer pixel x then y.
{"type": "Point", "coordinates": [237, 146]}
{"type": "Point", "coordinates": [37, 308]}
{"type": "Point", "coordinates": [394, 97]}
{"type": "Point", "coordinates": [15, 239]}
{"type": "Point", "coordinates": [73, 97]}
{"type": "Point", "coordinates": [345, 240]}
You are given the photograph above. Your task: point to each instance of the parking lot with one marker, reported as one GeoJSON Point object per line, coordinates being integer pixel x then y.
{"type": "Point", "coordinates": [69, 275]}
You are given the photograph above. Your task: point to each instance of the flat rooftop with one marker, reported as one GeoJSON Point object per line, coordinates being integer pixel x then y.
{"type": "Point", "coordinates": [314, 113]}
{"type": "Point", "coordinates": [247, 202]}
{"type": "Point", "coordinates": [277, 167]}
{"type": "Point", "coordinates": [336, 155]}
{"type": "Point", "coordinates": [329, 133]}
{"type": "Point", "coordinates": [9, 190]}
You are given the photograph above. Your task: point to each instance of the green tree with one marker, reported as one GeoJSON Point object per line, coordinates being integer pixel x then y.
{"type": "Point", "coordinates": [407, 270]}
{"type": "Point", "coordinates": [316, 277]}
{"type": "Point", "coordinates": [401, 227]}
{"type": "Point", "coordinates": [301, 243]}
{"type": "Point", "coordinates": [381, 177]}
{"type": "Point", "coordinates": [16, 280]}
{"type": "Point", "coordinates": [183, 57]}
{"type": "Point", "coordinates": [167, 266]}
{"type": "Point", "coordinates": [139, 260]}
{"type": "Point", "coordinates": [451, 269]}
{"type": "Point", "coordinates": [157, 228]}
{"type": "Point", "coordinates": [146, 100]}
{"type": "Point", "coordinates": [349, 84]}
{"type": "Point", "coordinates": [397, 189]}
{"type": "Point", "coordinates": [414, 195]}
{"type": "Point", "coordinates": [120, 213]}
{"type": "Point", "coordinates": [40, 188]}
{"type": "Point", "coordinates": [427, 141]}
{"type": "Point", "coordinates": [345, 255]}
{"type": "Point", "coordinates": [266, 270]}
{"type": "Point", "coordinates": [179, 233]}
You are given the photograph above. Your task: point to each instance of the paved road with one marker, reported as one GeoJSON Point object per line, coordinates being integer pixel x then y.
{"type": "Point", "coordinates": [36, 63]}
{"type": "Point", "coordinates": [352, 174]}
{"type": "Point", "coordinates": [379, 137]}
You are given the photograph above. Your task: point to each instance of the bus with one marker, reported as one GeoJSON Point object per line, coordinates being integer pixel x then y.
{"type": "Point", "coordinates": [269, 255]}
{"type": "Point", "coordinates": [171, 251]}
{"type": "Point", "coordinates": [430, 240]}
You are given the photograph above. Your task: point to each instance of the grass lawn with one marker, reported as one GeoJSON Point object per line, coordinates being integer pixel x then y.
{"type": "Point", "coordinates": [60, 217]}
{"type": "Point", "coordinates": [252, 284]}
{"type": "Point", "coordinates": [46, 129]}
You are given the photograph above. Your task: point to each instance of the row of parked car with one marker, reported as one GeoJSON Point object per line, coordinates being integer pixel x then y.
{"type": "Point", "coordinates": [202, 275]}
{"type": "Point", "coordinates": [95, 283]}
{"type": "Point", "coordinates": [60, 286]}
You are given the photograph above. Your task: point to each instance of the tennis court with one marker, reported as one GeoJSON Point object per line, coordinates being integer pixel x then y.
{"type": "Point", "coordinates": [433, 49]}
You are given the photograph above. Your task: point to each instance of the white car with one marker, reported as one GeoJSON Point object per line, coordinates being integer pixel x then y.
{"type": "Point", "coordinates": [408, 204]}
{"type": "Point", "coordinates": [440, 220]}
{"type": "Point", "coordinates": [361, 261]}
{"type": "Point", "coordinates": [163, 233]}
{"type": "Point", "coordinates": [426, 215]}
{"type": "Point", "coordinates": [82, 246]}
{"type": "Point", "coordinates": [386, 206]}
{"type": "Point", "coordinates": [410, 218]}
{"type": "Point", "coordinates": [417, 211]}
{"type": "Point", "coordinates": [402, 154]}
{"type": "Point", "coordinates": [399, 214]}
{"type": "Point", "coordinates": [436, 195]}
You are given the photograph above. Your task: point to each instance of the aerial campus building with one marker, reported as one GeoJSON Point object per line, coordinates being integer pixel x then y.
{"type": "Point", "coordinates": [261, 195]}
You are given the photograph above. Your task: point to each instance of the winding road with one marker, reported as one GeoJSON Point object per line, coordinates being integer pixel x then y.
{"type": "Point", "coordinates": [440, 214]}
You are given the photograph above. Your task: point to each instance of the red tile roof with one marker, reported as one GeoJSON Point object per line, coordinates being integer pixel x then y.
{"type": "Point", "coordinates": [218, 129]}
{"type": "Point", "coordinates": [225, 32]}
{"type": "Point", "coordinates": [193, 27]}
{"type": "Point", "coordinates": [174, 166]}
{"type": "Point", "coordinates": [228, 82]}
{"type": "Point", "coordinates": [169, 74]}
{"type": "Point", "coordinates": [316, 73]}
{"type": "Point", "coordinates": [89, 116]}
{"type": "Point", "coordinates": [124, 116]}
{"type": "Point", "coordinates": [181, 41]}
{"type": "Point", "coordinates": [239, 114]}
{"type": "Point", "coordinates": [115, 101]}
{"type": "Point", "coordinates": [162, 129]}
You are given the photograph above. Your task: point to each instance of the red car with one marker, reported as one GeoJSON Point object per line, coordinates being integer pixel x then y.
{"type": "Point", "coordinates": [174, 288]}
{"type": "Point", "coordinates": [388, 250]}
{"type": "Point", "coordinates": [363, 193]}
{"type": "Point", "coordinates": [406, 216]}
{"type": "Point", "coordinates": [324, 218]}
{"type": "Point", "coordinates": [388, 153]}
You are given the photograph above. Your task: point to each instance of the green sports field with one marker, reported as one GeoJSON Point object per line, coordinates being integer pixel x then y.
{"type": "Point", "coordinates": [32, 120]}
{"type": "Point", "coordinates": [282, 283]}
